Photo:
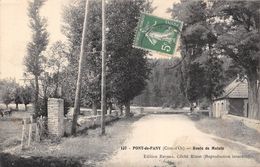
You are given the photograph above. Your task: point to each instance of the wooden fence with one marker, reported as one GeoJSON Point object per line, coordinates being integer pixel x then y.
{"type": "Point", "coordinates": [32, 130]}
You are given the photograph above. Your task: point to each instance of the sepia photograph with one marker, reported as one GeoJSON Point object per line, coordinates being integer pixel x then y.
{"type": "Point", "coordinates": [129, 83]}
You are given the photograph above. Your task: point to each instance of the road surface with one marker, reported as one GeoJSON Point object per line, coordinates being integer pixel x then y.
{"type": "Point", "coordinates": [173, 140]}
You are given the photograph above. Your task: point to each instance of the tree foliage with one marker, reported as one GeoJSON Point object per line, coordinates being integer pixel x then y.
{"type": "Point", "coordinates": [56, 64]}
{"type": "Point", "coordinates": [17, 96]}
{"type": "Point", "coordinates": [35, 58]}
{"type": "Point", "coordinates": [239, 38]}
{"type": "Point", "coordinates": [73, 16]}
{"type": "Point", "coordinates": [8, 90]}
{"type": "Point", "coordinates": [163, 88]}
{"type": "Point", "coordinates": [26, 95]}
{"type": "Point", "coordinates": [127, 67]}
{"type": "Point", "coordinates": [201, 71]}
{"type": "Point", "coordinates": [222, 30]}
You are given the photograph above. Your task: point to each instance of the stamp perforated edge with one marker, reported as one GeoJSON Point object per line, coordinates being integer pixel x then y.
{"type": "Point", "coordinates": [137, 34]}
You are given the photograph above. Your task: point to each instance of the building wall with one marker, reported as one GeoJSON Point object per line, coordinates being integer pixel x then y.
{"type": "Point", "coordinates": [220, 107]}
{"type": "Point", "coordinates": [238, 107]}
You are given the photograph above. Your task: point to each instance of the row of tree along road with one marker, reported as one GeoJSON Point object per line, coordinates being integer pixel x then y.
{"type": "Point", "coordinates": [11, 91]}
{"type": "Point", "coordinates": [219, 36]}
{"type": "Point", "coordinates": [219, 40]}
{"type": "Point", "coordinates": [52, 70]}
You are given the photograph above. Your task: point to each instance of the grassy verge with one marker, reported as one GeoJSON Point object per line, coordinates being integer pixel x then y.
{"type": "Point", "coordinates": [89, 147]}
{"type": "Point", "coordinates": [11, 129]}
{"type": "Point", "coordinates": [230, 129]}
{"type": "Point", "coordinates": [10, 133]}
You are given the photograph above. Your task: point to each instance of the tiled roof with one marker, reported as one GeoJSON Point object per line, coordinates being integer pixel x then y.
{"type": "Point", "coordinates": [236, 89]}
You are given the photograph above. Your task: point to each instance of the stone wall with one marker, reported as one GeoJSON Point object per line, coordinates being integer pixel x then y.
{"type": "Point", "coordinates": [251, 123]}
{"type": "Point", "coordinates": [86, 122]}
{"type": "Point", "coordinates": [56, 117]}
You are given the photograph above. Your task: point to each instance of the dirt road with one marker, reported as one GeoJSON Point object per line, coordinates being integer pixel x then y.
{"type": "Point", "coordinates": [173, 140]}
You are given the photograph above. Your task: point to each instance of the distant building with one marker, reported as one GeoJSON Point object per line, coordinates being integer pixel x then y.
{"type": "Point", "coordinates": [233, 101]}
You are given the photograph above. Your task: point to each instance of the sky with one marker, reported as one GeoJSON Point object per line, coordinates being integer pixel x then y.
{"type": "Point", "coordinates": [15, 32]}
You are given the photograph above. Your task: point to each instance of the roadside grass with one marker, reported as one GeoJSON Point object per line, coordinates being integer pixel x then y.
{"type": "Point", "coordinates": [13, 106]}
{"type": "Point", "coordinates": [89, 147]}
{"type": "Point", "coordinates": [159, 110]}
{"type": "Point", "coordinates": [10, 133]}
{"type": "Point", "coordinates": [11, 126]}
{"type": "Point", "coordinates": [230, 129]}
{"type": "Point", "coordinates": [243, 150]}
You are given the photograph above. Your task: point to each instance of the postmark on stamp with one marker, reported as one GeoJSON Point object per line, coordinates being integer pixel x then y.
{"type": "Point", "coordinates": [157, 34]}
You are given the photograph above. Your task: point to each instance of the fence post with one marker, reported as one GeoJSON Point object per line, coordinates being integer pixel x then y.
{"type": "Point", "coordinates": [23, 133]}
{"type": "Point", "coordinates": [30, 131]}
{"type": "Point", "coordinates": [37, 132]}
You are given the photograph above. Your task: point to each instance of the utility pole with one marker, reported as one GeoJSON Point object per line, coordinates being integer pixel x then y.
{"type": "Point", "coordinates": [103, 80]}
{"type": "Point", "coordinates": [79, 80]}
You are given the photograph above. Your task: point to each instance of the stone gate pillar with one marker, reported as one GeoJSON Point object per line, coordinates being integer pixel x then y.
{"type": "Point", "coordinates": [56, 116]}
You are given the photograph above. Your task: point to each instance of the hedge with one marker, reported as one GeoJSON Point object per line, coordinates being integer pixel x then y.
{"type": "Point", "coordinates": [9, 160]}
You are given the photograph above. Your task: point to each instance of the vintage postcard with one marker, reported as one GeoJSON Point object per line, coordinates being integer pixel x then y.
{"type": "Point", "coordinates": [129, 83]}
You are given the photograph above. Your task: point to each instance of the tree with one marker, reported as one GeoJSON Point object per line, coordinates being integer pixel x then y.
{"type": "Point", "coordinates": [119, 46]}
{"type": "Point", "coordinates": [56, 64]}
{"type": "Point", "coordinates": [163, 85]}
{"type": "Point", "coordinates": [196, 85]}
{"type": "Point", "coordinates": [128, 67]}
{"type": "Point", "coordinates": [17, 97]}
{"type": "Point", "coordinates": [8, 88]}
{"type": "Point", "coordinates": [239, 38]}
{"type": "Point", "coordinates": [35, 58]}
{"type": "Point", "coordinates": [198, 42]}
{"type": "Point", "coordinates": [73, 23]}
{"type": "Point", "coordinates": [7, 97]}
{"type": "Point", "coordinates": [26, 95]}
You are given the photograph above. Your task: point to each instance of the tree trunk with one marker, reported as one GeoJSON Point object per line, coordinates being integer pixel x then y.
{"type": "Point", "coordinates": [191, 107]}
{"type": "Point", "coordinates": [45, 101]}
{"type": "Point", "coordinates": [121, 109]}
{"type": "Point", "coordinates": [211, 109]}
{"type": "Point", "coordinates": [127, 109]}
{"type": "Point", "coordinates": [110, 108]}
{"type": "Point", "coordinates": [258, 100]}
{"type": "Point", "coordinates": [94, 108]}
{"type": "Point", "coordinates": [258, 74]}
{"type": "Point", "coordinates": [258, 85]}
{"type": "Point", "coordinates": [57, 93]}
{"type": "Point", "coordinates": [36, 94]}
{"type": "Point", "coordinates": [25, 107]}
{"type": "Point", "coordinates": [253, 112]}
{"type": "Point", "coordinates": [79, 80]}
{"type": "Point", "coordinates": [16, 106]}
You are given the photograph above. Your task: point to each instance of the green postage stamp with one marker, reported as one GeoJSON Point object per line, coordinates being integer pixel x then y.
{"type": "Point", "coordinates": [157, 34]}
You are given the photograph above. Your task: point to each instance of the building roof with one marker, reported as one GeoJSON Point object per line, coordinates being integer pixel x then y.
{"type": "Point", "coordinates": [236, 89]}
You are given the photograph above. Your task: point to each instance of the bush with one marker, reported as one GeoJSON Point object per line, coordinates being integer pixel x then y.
{"type": "Point", "coordinates": [43, 107]}
{"type": "Point", "coordinates": [204, 104]}
{"type": "Point", "coordinates": [165, 105]}
{"type": "Point", "coordinates": [173, 106]}
{"type": "Point", "coordinates": [8, 160]}
{"type": "Point", "coordinates": [66, 107]}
